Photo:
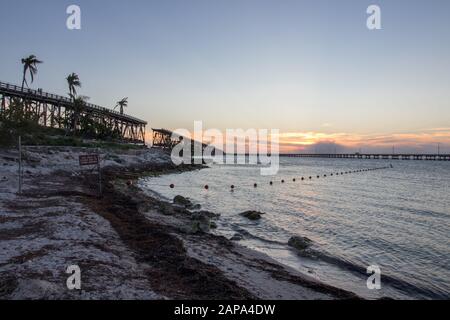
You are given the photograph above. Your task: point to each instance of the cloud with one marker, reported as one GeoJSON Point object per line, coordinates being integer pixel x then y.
{"type": "Point", "coordinates": [425, 141]}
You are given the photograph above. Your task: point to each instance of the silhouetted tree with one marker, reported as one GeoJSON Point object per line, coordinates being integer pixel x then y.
{"type": "Point", "coordinates": [122, 104]}
{"type": "Point", "coordinates": [74, 82]}
{"type": "Point", "coordinates": [29, 65]}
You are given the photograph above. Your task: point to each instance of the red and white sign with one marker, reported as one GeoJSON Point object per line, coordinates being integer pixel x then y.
{"type": "Point", "coordinates": [88, 159]}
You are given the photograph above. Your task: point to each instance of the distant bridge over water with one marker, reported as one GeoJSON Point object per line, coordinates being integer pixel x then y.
{"type": "Point", "coordinates": [430, 157]}
{"type": "Point", "coordinates": [166, 139]}
{"type": "Point", "coordinates": [51, 110]}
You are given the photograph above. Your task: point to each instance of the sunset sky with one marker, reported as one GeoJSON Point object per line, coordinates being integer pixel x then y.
{"type": "Point", "coordinates": [309, 68]}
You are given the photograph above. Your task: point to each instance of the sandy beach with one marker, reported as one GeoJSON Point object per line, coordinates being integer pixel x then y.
{"type": "Point", "coordinates": [127, 244]}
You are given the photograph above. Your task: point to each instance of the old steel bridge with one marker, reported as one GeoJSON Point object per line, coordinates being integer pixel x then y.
{"type": "Point", "coordinates": [51, 110]}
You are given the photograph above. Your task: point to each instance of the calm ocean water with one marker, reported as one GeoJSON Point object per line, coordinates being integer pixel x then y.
{"type": "Point", "coordinates": [398, 219]}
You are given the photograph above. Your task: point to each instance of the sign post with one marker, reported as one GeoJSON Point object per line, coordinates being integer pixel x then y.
{"type": "Point", "coordinates": [20, 164]}
{"type": "Point", "coordinates": [99, 174]}
{"type": "Point", "coordinates": [89, 160]}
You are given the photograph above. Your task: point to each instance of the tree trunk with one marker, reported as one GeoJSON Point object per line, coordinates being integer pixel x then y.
{"type": "Point", "coordinates": [23, 79]}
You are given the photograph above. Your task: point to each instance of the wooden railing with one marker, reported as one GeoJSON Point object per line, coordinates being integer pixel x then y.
{"type": "Point", "coordinates": [14, 89]}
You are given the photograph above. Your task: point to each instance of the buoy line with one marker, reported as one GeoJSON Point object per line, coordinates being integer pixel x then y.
{"type": "Point", "coordinates": [282, 181]}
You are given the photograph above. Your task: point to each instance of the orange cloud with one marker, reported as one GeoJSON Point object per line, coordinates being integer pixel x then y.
{"type": "Point", "coordinates": [313, 141]}
{"type": "Point", "coordinates": [425, 140]}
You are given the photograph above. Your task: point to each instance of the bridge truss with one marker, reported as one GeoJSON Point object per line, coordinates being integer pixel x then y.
{"type": "Point", "coordinates": [54, 111]}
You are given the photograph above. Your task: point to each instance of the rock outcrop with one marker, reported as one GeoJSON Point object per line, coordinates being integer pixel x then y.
{"type": "Point", "coordinates": [252, 215]}
{"type": "Point", "coordinates": [180, 200]}
{"type": "Point", "coordinates": [300, 243]}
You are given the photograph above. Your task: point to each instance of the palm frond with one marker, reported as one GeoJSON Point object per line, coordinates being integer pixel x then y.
{"type": "Point", "coordinates": [30, 64]}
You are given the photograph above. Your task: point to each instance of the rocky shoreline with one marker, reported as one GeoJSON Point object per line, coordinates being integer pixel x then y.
{"type": "Point", "coordinates": [187, 224]}
{"type": "Point", "coordinates": [130, 245]}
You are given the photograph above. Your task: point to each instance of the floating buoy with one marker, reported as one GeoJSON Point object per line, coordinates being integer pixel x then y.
{"type": "Point", "coordinates": [255, 185]}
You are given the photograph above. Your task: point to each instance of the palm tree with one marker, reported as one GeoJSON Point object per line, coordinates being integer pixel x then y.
{"type": "Point", "coordinates": [29, 65]}
{"type": "Point", "coordinates": [78, 106]}
{"type": "Point", "coordinates": [73, 81]}
{"type": "Point", "coordinates": [122, 104]}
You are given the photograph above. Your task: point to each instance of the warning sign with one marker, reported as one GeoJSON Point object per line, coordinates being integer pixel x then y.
{"type": "Point", "coordinates": [88, 159]}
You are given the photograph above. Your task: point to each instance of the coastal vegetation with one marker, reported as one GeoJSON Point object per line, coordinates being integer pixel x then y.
{"type": "Point", "coordinates": [81, 129]}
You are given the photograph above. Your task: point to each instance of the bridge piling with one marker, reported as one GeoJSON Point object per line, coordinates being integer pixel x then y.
{"type": "Point", "coordinates": [50, 110]}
